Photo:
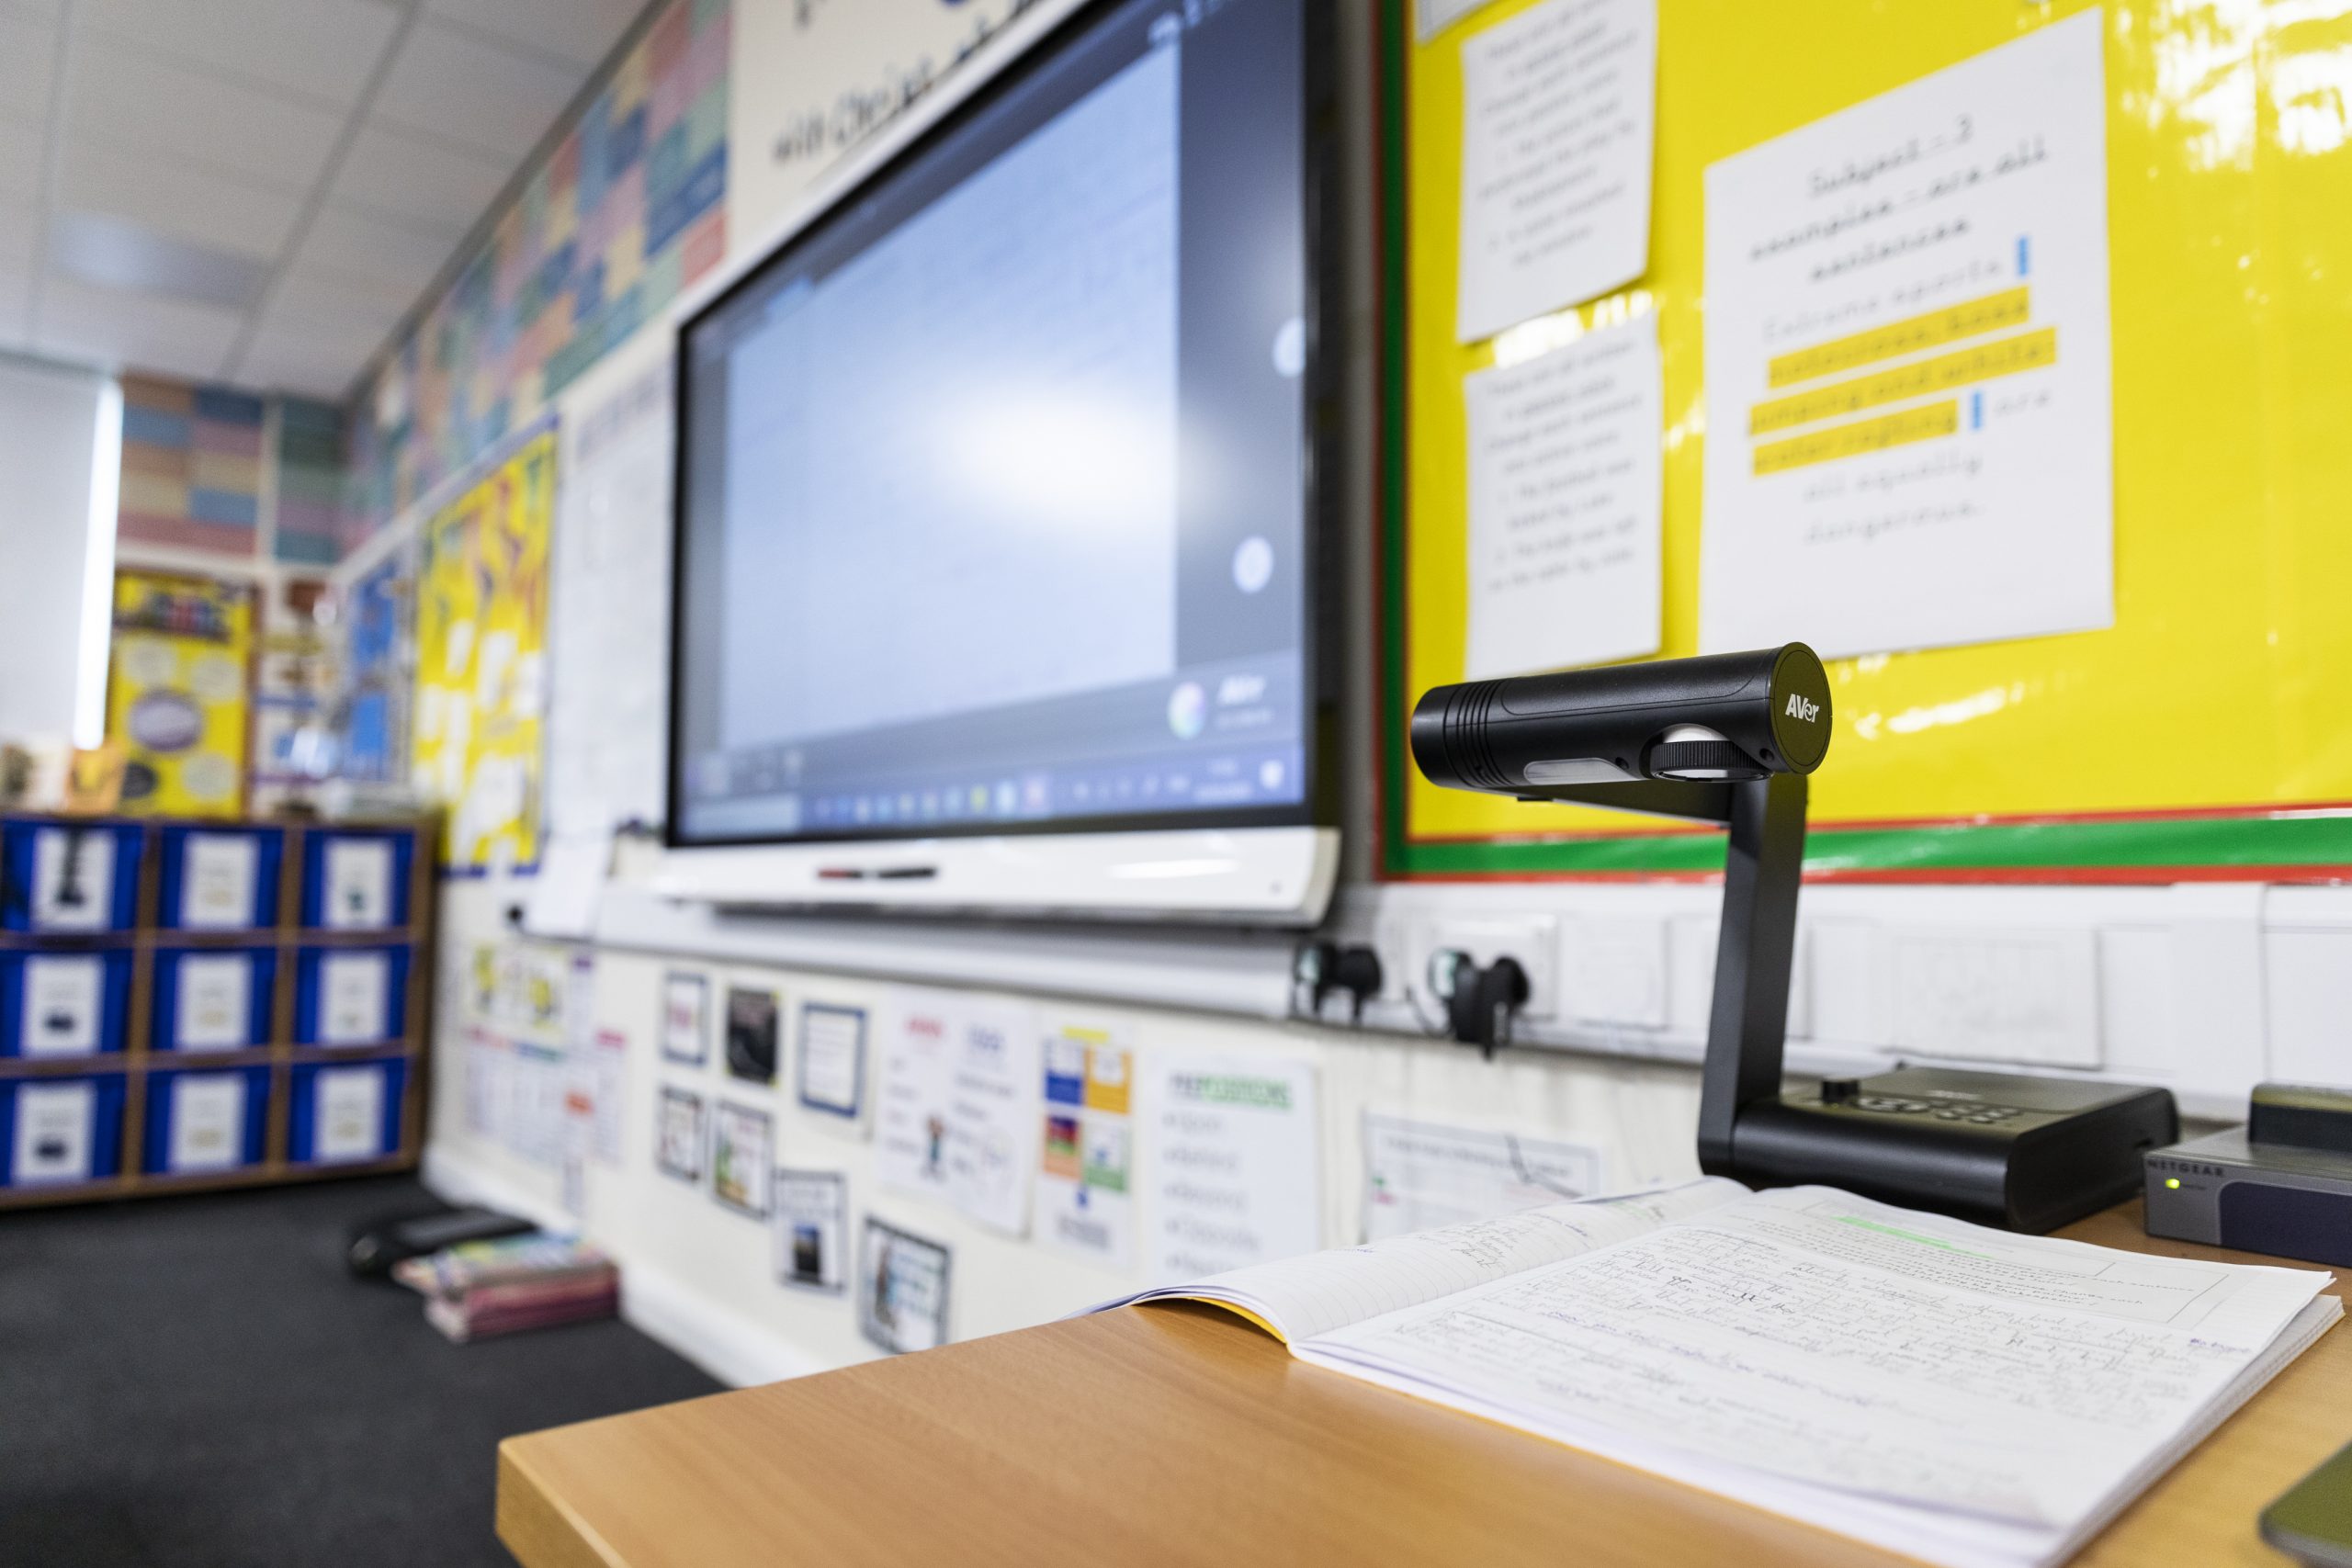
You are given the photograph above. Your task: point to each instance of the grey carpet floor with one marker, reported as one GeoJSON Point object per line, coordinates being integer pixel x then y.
{"type": "Point", "coordinates": [198, 1382]}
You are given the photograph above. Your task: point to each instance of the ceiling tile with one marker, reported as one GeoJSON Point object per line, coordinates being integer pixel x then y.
{"type": "Point", "coordinates": [15, 289]}
{"type": "Point", "coordinates": [18, 220]}
{"type": "Point", "coordinates": [427, 185]}
{"type": "Point", "coordinates": [311, 299]}
{"type": "Point", "coordinates": [449, 83]}
{"type": "Point", "coordinates": [319, 363]}
{"type": "Point", "coordinates": [21, 146]}
{"type": "Point", "coordinates": [320, 48]}
{"type": "Point", "coordinates": [190, 204]}
{"type": "Point", "coordinates": [362, 249]}
{"type": "Point", "coordinates": [27, 59]}
{"type": "Point", "coordinates": [582, 31]}
{"type": "Point", "coordinates": [111, 327]}
{"type": "Point", "coordinates": [137, 103]}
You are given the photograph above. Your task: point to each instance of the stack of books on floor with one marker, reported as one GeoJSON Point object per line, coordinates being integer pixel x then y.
{"type": "Point", "coordinates": [481, 1289]}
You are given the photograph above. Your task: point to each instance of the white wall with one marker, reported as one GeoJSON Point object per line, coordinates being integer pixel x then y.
{"type": "Point", "coordinates": [49, 432]}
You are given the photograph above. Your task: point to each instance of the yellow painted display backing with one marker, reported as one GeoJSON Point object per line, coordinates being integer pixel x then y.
{"type": "Point", "coordinates": [2227, 678]}
{"type": "Point", "coordinates": [179, 679]}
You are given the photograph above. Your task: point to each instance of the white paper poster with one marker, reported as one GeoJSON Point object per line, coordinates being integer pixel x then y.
{"type": "Point", "coordinates": [1236, 1167]}
{"type": "Point", "coordinates": [355, 998]}
{"type": "Point", "coordinates": [1086, 1174]}
{"type": "Point", "coordinates": [609, 1074]}
{"type": "Point", "coordinates": [902, 1289]}
{"type": "Point", "coordinates": [1566, 521]}
{"type": "Point", "coordinates": [741, 1144]}
{"type": "Point", "coordinates": [811, 1229]}
{"type": "Point", "coordinates": [1908, 421]}
{"type": "Point", "coordinates": [1432, 17]}
{"type": "Point", "coordinates": [219, 877]}
{"type": "Point", "coordinates": [215, 1003]}
{"type": "Point", "coordinates": [73, 879]}
{"type": "Point", "coordinates": [685, 1017]}
{"type": "Point", "coordinates": [958, 1108]}
{"type": "Point", "coordinates": [54, 1127]}
{"type": "Point", "coordinates": [832, 1059]}
{"type": "Point", "coordinates": [208, 1121]}
{"type": "Point", "coordinates": [1420, 1175]}
{"type": "Point", "coordinates": [348, 1105]}
{"type": "Point", "coordinates": [357, 890]}
{"type": "Point", "coordinates": [64, 1004]}
{"type": "Point", "coordinates": [1558, 107]}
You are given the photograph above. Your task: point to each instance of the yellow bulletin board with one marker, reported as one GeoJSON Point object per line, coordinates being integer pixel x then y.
{"type": "Point", "coordinates": [178, 683]}
{"type": "Point", "coordinates": [2209, 732]}
{"type": "Point", "coordinates": [481, 670]}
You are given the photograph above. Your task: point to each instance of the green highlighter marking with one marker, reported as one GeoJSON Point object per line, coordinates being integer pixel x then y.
{"type": "Point", "coordinates": [1855, 1219]}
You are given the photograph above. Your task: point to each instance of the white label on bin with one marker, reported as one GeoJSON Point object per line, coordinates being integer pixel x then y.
{"type": "Point", "coordinates": [63, 996]}
{"type": "Point", "coordinates": [357, 894]}
{"type": "Point", "coordinates": [215, 1002]}
{"type": "Point", "coordinates": [53, 1122]}
{"type": "Point", "coordinates": [349, 1109]}
{"type": "Point", "coordinates": [208, 1121]}
{"type": "Point", "coordinates": [355, 989]}
{"type": "Point", "coordinates": [73, 879]}
{"type": "Point", "coordinates": [220, 873]}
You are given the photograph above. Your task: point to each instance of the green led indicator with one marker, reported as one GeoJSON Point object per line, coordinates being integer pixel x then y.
{"type": "Point", "coordinates": [2172, 1182]}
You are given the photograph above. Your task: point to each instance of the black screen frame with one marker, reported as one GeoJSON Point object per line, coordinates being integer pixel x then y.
{"type": "Point", "coordinates": [1322, 237]}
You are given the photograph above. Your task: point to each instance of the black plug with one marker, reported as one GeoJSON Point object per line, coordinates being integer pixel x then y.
{"type": "Point", "coordinates": [1481, 1000]}
{"type": "Point", "coordinates": [1325, 967]}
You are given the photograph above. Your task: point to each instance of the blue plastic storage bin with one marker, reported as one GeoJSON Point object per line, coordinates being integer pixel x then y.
{"type": "Point", "coordinates": [332, 1108]}
{"type": "Point", "coordinates": [356, 878]}
{"type": "Point", "coordinates": [63, 1001]}
{"type": "Point", "coordinates": [59, 1132]}
{"type": "Point", "coordinates": [212, 999]}
{"type": "Point", "coordinates": [69, 876]}
{"type": "Point", "coordinates": [202, 1121]}
{"type": "Point", "coordinates": [219, 879]}
{"type": "Point", "coordinates": [332, 991]}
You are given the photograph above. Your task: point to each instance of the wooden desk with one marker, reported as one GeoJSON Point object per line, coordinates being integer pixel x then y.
{"type": "Point", "coordinates": [1176, 1434]}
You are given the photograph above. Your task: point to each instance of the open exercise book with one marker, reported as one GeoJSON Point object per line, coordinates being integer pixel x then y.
{"type": "Point", "coordinates": [1948, 1392]}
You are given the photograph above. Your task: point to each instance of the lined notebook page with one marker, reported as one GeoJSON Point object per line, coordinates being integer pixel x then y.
{"type": "Point", "coordinates": [1299, 1297]}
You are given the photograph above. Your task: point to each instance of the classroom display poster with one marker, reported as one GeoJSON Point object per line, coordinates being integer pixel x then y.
{"type": "Point", "coordinates": [812, 1214]}
{"type": "Point", "coordinates": [958, 1113]}
{"type": "Point", "coordinates": [1236, 1162]}
{"type": "Point", "coordinates": [740, 1149]}
{"type": "Point", "coordinates": [529, 992]}
{"type": "Point", "coordinates": [685, 1018]}
{"type": "Point", "coordinates": [516, 1093]}
{"type": "Point", "coordinates": [1420, 1175]}
{"type": "Point", "coordinates": [179, 692]}
{"type": "Point", "coordinates": [1907, 367]}
{"type": "Point", "coordinates": [901, 1289]}
{"type": "Point", "coordinates": [832, 1060]}
{"type": "Point", "coordinates": [753, 1023]}
{"type": "Point", "coordinates": [1086, 1173]}
{"type": "Point", "coordinates": [482, 674]}
{"type": "Point", "coordinates": [678, 1136]}
{"type": "Point", "coordinates": [379, 657]}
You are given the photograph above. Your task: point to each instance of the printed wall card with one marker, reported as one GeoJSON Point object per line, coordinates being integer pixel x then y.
{"type": "Point", "coordinates": [1567, 513]}
{"type": "Point", "coordinates": [1235, 1163]}
{"type": "Point", "coordinates": [608, 1058]}
{"type": "Point", "coordinates": [355, 998]}
{"type": "Point", "coordinates": [832, 1059]}
{"type": "Point", "coordinates": [53, 1128]}
{"type": "Point", "coordinates": [678, 1134]}
{"type": "Point", "coordinates": [1909, 397]}
{"type": "Point", "coordinates": [812, 1229]}
{"type": "Point", "coordinates": [1420, 1175]}
{"type": "Point", "coordinates": [356, 884]}
{"type": "Point", "coordinates": [958, 1119]}
{"type": "Point", "coordinates": [73, 880]}
{"type": "Point", "coordinates": [1559, 106]}
{"type": "Point", "coordinates": [220, 879]}
{"type": "Point", "coordinates": [901, 1289]}
{"type": "Point", "coordinates": [685, 1017]}
{"type": "Point", "coordinates": [208, 1123]}
{"type": "Point", "coordinates": [215, 1003]}
{"type": "Point", "coordinates": [753, 1025]}
{"type": "Point", "coordinates": [740, 1162]}
{"type": "Point", "coordinates": [1086, 1175]}
{"type": "Point", "coordinates": [64, 1004]}
{"type": "Point", "coordinates": [349, 1109]}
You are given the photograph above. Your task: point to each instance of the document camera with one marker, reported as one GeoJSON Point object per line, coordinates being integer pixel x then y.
{"type": "Point", "coordinates": [1730, 738]}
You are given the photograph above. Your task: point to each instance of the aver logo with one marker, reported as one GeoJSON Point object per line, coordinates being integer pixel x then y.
{"type": "Point", "coordinates": [1802, 709]}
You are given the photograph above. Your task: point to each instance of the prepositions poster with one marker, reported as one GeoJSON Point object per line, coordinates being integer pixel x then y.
{"type": "Point", "coordinates": [1908, 400]}
{"type": "Point", "coordinates": [1236, 1162]}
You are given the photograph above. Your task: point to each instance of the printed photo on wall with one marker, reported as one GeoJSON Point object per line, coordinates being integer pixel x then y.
{"type": "Point", "coordinates": [739, 1160]}
{"type": "Point", "coordinates": [678, 1143]}
{"type": "Point", "coordinates": [752, 1034]}
{"type": "Point", "coordinates": [901, 1289]}
{"type": "Point", "coordinates": [811, 1229]}
{"type": "Point", "coordinates": [685, 1018]}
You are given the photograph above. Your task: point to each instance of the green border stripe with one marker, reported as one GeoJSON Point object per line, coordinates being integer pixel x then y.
{"type": "Point", "coordinates": [2318, 841]}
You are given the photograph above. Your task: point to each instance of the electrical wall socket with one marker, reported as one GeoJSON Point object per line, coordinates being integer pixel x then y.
{"type": "Point", "coordinates": [1533, 939]}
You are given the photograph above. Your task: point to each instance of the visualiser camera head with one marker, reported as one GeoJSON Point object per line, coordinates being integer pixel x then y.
{"type": "Point", "coordinates": [1720, 718]}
